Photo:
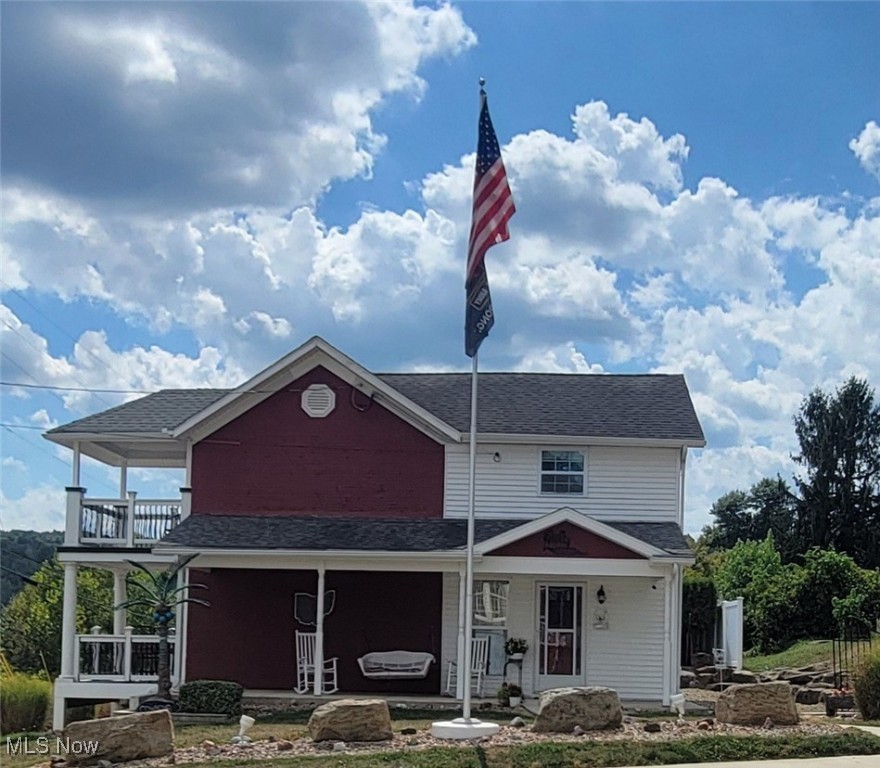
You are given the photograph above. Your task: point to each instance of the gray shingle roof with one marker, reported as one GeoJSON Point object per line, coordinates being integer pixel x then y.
{"type": "Point", "coordinates": [577, 405]}
{"type": "Point", "coordinates": [208, 532]}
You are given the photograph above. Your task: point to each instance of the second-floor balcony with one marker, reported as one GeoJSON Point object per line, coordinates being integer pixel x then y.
{"type": "Point", "coordinates": [126, 522]}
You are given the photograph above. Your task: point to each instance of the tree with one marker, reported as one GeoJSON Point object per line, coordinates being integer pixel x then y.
{"type": "Point", "coordinates": [31, 622]}
{"type": "Point", "coordinates": [839, 438]}
{"type": "Point", "coordinates": [161, 593]}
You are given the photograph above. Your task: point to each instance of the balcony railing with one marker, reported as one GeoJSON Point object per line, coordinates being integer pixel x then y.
{"type": "Point", "coordinates": [121, 658]}
{"type": "Point", "coordinates": [129, 522]}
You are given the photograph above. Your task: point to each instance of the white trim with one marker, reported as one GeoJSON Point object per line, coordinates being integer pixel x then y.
{"type": "Point", "coordinates": [291, 367]}
{"type": "Point", "coordinates": [566, 440]}
{"type": "Point", "coordinates": [319, 630]}
{"type": "Point", "coordinates": [69, 646]}
{"type": "Point", "coordinates": [569, 515]}
{"type": "Point", "coordinates": [75, 464]}
{"type": "Point", "coordinates": [667, 638]}
{"type": "Point", "coordinates": [576, 567]}
{"type": "Point", "coordinates": [182, 627]}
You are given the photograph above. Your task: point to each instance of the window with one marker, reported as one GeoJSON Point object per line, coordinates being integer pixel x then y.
{"type": "Point", "coordinates": [490, 620]}
{"type": "Point", "coordinates": [562, 472]}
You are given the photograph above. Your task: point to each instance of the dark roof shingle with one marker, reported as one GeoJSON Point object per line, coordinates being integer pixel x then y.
{"type": "Point", "coordinates": [652, 406]}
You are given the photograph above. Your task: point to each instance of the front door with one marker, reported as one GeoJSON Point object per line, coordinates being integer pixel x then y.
{"type": "Point", "coordinates": [560, 636]}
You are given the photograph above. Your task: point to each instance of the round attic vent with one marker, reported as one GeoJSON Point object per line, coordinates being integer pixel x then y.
{"type": "Point", "coordinates": [318, 401]}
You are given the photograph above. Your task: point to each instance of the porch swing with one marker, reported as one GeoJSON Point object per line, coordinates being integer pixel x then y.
{"type": "Point", "coordinates": [396, 665]}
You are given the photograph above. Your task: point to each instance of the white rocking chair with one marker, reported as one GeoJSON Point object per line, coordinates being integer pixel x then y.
{"type": "Point", "coordinates": [305, 666]}
{"type": "Point", "coordinates": [479, 656]}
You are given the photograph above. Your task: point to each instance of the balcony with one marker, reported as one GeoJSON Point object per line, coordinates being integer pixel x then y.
{"type": "Point", "coordinates": [121, 658]}
{"type": "Point", "coordinates": [130, 522]}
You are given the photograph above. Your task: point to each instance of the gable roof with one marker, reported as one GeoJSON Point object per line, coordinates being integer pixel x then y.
{"type": "Point", "coordinates": [654, 407]}
{"type": "Point", "coordinates": [205, 532]}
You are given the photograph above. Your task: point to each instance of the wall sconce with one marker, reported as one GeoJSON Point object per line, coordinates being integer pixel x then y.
{"type": "Point", "coordinates": [497, 457]}
{"type": "Point", "coordinates": [600, 595]}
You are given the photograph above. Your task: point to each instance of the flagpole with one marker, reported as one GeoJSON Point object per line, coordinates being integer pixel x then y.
{"type": "Point", "coordinates": [469, 571]}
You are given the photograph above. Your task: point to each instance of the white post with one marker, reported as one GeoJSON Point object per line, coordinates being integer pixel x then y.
{"type": "Point", "coordinates": [126, 654]}
{"type": "Point", "coordinates": [180, 623]}
{"type": "Point", "coordinates": [69, 662]}
{"type": "Point", "coordinates": [129, 522]}
{"type": "Point", "coordinates": [667, 638]}
{"type": "Point", "coordinates": [459, 655]}
{"type": "Point", "coordinates": [75, 464]}
{"type": "Point", "coordinates": [119, 597]}
{"type": "Point", "coordinates": [319, 634]}
{"type": "Point", "coordinates": [185, 502]}
{"type": "Point", "coordinates": [73, 515]}
{"type": "Point", "coordinates": [123, 479]}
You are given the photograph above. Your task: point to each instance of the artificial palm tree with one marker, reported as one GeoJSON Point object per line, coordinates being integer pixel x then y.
{"type": "Point", "coordinates": [162, 593]}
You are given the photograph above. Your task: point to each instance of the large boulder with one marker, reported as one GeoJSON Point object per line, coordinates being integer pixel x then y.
{"type": "Point", "coordinates": [121, 738]}
{"type": "Point", "coordinates": [591, 708]}
{"type": "Point", "coordinates": [752, 704]}
{"type": "Point", "coordinates": [351, 720]}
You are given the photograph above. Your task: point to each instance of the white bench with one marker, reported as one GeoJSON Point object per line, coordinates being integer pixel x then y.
{"type": "Point", "coordinates": [391, 665]}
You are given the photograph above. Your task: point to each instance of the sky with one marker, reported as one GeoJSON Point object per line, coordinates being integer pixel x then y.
{"type": "Point", "coordinates": [191, 190]}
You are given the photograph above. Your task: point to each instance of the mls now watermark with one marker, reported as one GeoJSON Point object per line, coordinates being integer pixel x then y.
{"type": "Point", "coordinates": [45, 745]}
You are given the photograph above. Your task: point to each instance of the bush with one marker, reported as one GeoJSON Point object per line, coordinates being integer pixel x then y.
{"type": "Point", "coordinates": [219, 697]}
{"type": "Point", "coordinates": [24, 703]}
{"type": "Point", "coordinates": [866, 686]}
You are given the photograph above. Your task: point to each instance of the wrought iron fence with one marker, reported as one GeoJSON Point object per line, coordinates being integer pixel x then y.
{"type": "Point", "coordinates": [853, 645]}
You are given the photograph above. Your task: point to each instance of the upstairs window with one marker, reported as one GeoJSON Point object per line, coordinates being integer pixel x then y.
{"type": "Point", "coordinates": [562, 472]}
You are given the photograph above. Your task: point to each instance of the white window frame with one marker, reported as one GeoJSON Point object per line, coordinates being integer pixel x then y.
{"type": "Point", "coordinates": [542, 472]}
{"type": "Point", "coordinates": [496, 631]}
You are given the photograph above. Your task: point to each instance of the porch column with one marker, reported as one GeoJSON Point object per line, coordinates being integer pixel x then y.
{"type": "Point", "coordinates": [73, 515]}
{"type": "Point", "coordinates": [462, 677]}
{"type": "Point", "coordinates": [68, 623]}
{"type": "Point", "coordinates": [119, 596]}
{"type": "Point", "coordinates": [667, 637]}
{"type": "Point", "coordinates": [123, 479]}
{"type": "Point", "coordinates": [319, 633]}
{"type": "Point", "coordinates": [75, 464]}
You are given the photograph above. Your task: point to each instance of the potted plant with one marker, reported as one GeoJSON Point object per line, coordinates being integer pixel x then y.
{"type": "Point", "coordinates": [515, 693]}
{"type": "Point", "coordinates": [503, 695]}
{"type": "Point", "coordinates": [515, 647]}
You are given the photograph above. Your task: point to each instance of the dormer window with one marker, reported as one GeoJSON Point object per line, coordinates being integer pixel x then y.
{"type": "Point", "coordinates": [562, 472]}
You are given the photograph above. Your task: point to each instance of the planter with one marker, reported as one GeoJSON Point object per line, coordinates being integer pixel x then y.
{"type": "Point", "coordinates": [515, 701]}
{"type": "Point", "coordinates": [514, 656]}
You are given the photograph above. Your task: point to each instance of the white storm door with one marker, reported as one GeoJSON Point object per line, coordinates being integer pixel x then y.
{"type": "Point", "coordinates": [560, 636]}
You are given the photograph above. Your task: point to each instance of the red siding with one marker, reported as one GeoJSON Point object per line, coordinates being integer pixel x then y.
{"type": "Point", "coordinates": [357, 462]}
{"type": "Point", "coordinates": [566, 540]}
{"type": "Point", "coordinates": [247, 635]}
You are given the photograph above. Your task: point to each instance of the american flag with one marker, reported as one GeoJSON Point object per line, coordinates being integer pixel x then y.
{"type": "Point", "coordinates": [493, 207]}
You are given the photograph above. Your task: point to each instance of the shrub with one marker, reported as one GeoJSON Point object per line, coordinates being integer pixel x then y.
{"type": "Point", "coordinates": [220, 697]}
{"type": "Point", "coordinates": [24, 702]}
{"type": "Point", "coordinates": [866, 686]}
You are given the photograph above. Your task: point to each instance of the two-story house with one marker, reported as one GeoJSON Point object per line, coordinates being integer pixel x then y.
{"type": "Point", "coordinates": [323, 498]}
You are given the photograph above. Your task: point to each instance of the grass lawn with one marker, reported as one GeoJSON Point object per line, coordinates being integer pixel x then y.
{"type": "Point", "coordinates": [801, 654]}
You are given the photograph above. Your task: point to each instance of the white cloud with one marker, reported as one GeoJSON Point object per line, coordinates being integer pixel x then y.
{"type": "Point", "coordinates": [562, 358]}
{"type": "Point", "coordinates": [39, 509]}
{"type": "Point", "coordinates": [10, 462]}
{"type": "Point", "coordinates": [866, 147]}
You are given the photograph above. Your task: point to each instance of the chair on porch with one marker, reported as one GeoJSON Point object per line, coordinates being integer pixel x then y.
{"type": "Point", "coordinates": [305, 666]}
{"type": "Point", "coordinates": [479, 657]}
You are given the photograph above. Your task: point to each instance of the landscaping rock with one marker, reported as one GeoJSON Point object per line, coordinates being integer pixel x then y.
{"type": "Point", "coordinates": [283, 745]}
{"type": "Point", "coordinates": [592, 708]}
{"type": "Point", "coordinates": [809, 695]}
{"type": "Point", "coordinates": [408, 731]}
{"type": "Point", "coordinates": [702, 660]}
{"type": "Point", "coordinates": [517, 722]}
{"type": "Point", "coordinates": [745, 704]}
{"type": "Point", "coordinates": [705, 679]}
{"type": "Point", "coordinates": [652, 728]}
{"type": "Point", "coordinates": [687, 679]}
{"type": "Point", "coordinates": [743, 676]}
{"type": "Point", "coordinates": [123, 738]}
{"type": "Point", "coordinates": [351, 720]}
{"type": "Point", "coordinates": [720, 686]}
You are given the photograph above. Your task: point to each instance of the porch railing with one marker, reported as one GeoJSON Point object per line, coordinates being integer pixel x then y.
{"type": "Point", "coordinates": [129, 522]}
{"type": "Point", "coordinates": [122, 658]}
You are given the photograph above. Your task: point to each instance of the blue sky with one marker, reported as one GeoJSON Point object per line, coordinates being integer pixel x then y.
{"type": "Point", "coordinates": [192, 190]}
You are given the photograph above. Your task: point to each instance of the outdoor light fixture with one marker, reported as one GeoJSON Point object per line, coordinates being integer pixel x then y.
{"type": "Point", "coordinates": [600, 595]}
{"type": "Point", "coordinates": [497, 457]}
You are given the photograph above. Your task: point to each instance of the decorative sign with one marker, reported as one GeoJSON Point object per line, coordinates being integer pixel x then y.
{"type": "Point", "coordinates": [600, 618]}
{"type": "Point", "coordinates": [305, 607]}
{"type": "Point", "coordinates": [558, 542]}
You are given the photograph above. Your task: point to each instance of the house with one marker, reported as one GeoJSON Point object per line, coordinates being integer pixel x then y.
{"type": "Point", "coordinates": [323, 498]}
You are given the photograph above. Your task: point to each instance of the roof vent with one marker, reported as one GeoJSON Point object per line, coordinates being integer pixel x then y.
{"type": "Point", "coordinates": [318, 401]}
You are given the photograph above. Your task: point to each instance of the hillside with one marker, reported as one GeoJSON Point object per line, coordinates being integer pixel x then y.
{"type": "Point", "coordinates": [23, 552]}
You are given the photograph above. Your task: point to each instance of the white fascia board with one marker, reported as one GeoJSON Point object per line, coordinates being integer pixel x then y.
{"type": "Point", "coordinates": [674, 560]}
{"type": "Point", "coordinates": [629, 442]}
{"type": "Point", "coordinates": [90, 444]}
{"type": "Point", "coordinates": [569, 515]}
{"type": "Point", "coordinates": [115, 558]}
{"type": "Point", "coordinates": [568, 566]}
{"type": "Point", "coordinates": [340, 560]}
{"type": "Point", "coordinates": [291, 367]}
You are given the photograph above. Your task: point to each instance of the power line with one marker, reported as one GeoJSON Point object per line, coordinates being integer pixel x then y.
{"type": "Point", "coordinates": [74, 389]}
